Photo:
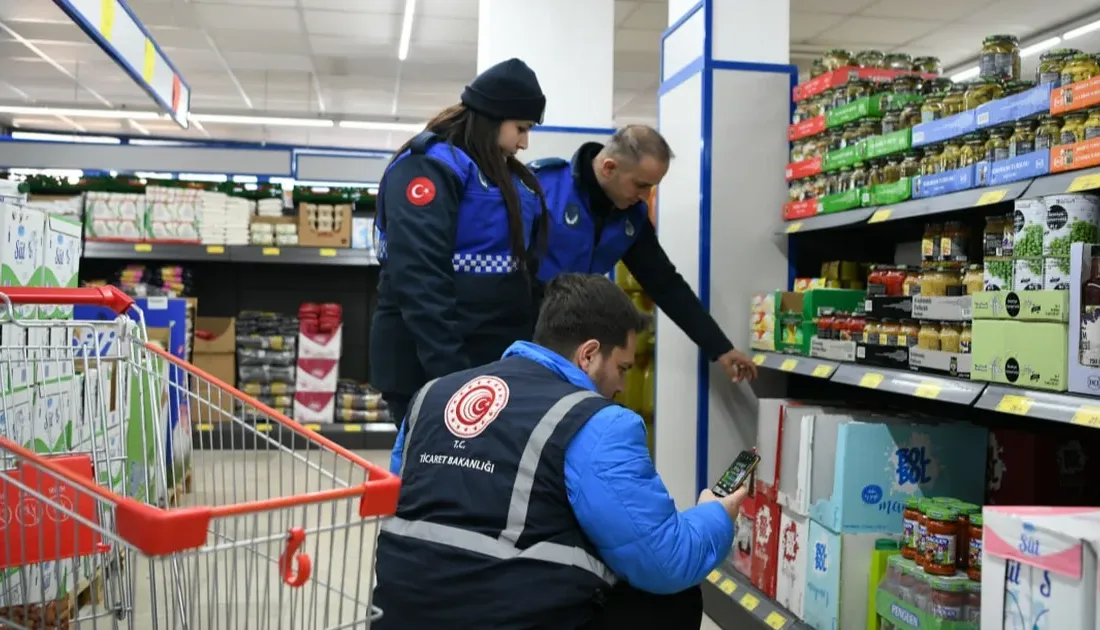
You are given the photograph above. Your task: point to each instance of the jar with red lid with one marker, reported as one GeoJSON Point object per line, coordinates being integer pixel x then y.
{"type": "Point", "coordinates": [876, 281]}
{"type": "Point", "coordinates": [909, 517]}
{"type": "Point", "coordinates": [856, 325]}
{"type": "Point", "coordinates": [948, 598]}
{"type": "Point", "coordinates": [840, 325]}
{"type": "Point", "coordinates": [895, 281]}
{"type": "Point", "coordinates": [966, 510]}
{"type": "Point", "coordinates": [974, 557]}
{"type": "Point", "coordinates": [922, 532]}
{"type": "Point", "coordinates": [941, 544]}
{"type": "Point", "coordinates": [825, 320]}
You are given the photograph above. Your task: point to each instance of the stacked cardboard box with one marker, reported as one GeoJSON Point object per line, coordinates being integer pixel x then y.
{"type": "Point", "coordinates": [320, 341]}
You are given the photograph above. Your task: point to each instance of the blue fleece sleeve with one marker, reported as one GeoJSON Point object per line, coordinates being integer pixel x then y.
{"type": "Point", "coordinates": [625, 510]}
{"type": "Point", "coordinates": [398, 448]}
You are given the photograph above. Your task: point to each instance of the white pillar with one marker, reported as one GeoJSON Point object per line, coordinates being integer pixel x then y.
{"type": "Point", "coordinates": [725, 79]}
{"type": "Point", "coordinates": [570, 44]}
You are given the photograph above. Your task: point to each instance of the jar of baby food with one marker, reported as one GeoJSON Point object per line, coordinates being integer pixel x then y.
{"type": "Point", "coordinates": [909, 517]}
{"type": "Point", "coordinates": [974, 557]}
{"type": "Point", "coordinates": [943, 535]}
{"type": "Point", "coordinates": [973, 602]}
{"type": "Point", "coordinates": [948, 598]}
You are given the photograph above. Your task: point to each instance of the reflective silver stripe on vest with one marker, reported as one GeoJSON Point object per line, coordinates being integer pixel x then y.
{"type": "Point", "coordinates": [488, 546]}
{"type": "Point", "coordinates": [410, 421]}
{"type": "Point", "coordinates": [504, 547]}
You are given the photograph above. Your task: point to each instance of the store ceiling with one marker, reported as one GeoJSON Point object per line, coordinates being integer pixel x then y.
{"type": "Point", "coordinates": [339, 57]}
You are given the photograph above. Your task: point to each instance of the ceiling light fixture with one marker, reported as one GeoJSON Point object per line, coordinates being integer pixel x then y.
{"type": "Point", "coordinates": [20, 110]}
{"type": "Point", "coordinates": [262, 120]}
{"type": "Point", "coordinates": [969, 73]}
{"type": "Point", "coordinates": [1082, 30]}
{"type": "Point", "coordinates": [381, 126]}
{"type": "Point", "coordinates": [1035, 49]}
{"type": "Point", "coordinates": [61, 137]}
{"type": "Point", "coordinates": [406, 30]}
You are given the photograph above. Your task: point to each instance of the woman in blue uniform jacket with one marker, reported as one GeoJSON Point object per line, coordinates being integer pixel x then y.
{"type": "Point", "coordinates": [458, 225]}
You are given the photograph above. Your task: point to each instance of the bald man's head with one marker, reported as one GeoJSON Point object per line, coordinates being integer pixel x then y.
{"type": "Point", "coordinates": [633, 161]}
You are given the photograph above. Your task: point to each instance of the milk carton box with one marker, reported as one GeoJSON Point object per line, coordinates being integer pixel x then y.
{"type": "Point", "coordinates": [61, 264]}
{"type": "Point", "coordinates": [790, 583]}
{"type": "Point", "coordinates": [1039, 568]}
{"type": "Point", "coordinates": [21, 255]}
{"type": "Point", "coordinates": [837, 578]}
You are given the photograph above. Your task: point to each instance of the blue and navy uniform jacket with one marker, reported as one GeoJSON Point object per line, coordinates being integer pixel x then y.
{"type": "Point", "coordinates": [581, 241]}
{"type": "Point", "coordinates": [587, 234]}
{"type": "Point", "coordinates": [451, 293]}
{"type": "Point", "coordinates": [558, 492]}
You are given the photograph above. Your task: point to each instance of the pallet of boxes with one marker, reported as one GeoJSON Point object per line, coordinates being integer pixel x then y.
{"type": "Point", "coordinates": [320, 342]}
{"type": "Point", "coordinates": [215, 352]}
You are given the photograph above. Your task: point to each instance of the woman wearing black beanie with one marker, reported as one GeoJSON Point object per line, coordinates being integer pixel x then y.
{"type": "Point", "coordinates": [458, 228]}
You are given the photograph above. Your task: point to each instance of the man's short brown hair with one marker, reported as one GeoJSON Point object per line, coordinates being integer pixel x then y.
{"type": "Point", "coordinates": [633, 142]}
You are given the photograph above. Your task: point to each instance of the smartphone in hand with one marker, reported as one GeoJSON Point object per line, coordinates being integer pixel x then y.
{"type": "Point", "coordinates": [737, 474]}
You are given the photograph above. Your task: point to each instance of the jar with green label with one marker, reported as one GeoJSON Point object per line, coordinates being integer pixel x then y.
{"type": "Point", "coordinates": [1079, 67]}
{"type": "Point", "coordinates": [859, 177]}
{"type": "Point", "coordinates": [981, 92]}
{"type": "Point", "coordinates": [910, 114]}
{"type": "Point", "coordinates": [869, 127]}
{"type": "Point", "coordinates": [911, 163]}
{"type": "Point", "coordinates": [1022, 140]}
{"type": "Point", "coordinates": [905, 84]}
{"type": "Point", "coordinates": [996, 148]}
{"type": "Point", "coordinates": [891, 171]}
{"type": "Point", "coordinates": [1092, 124]}
{"type": "Point", "coordinates": [874, 173]}
{"type": "Point", "coordinates": [1049, 133]}
{"type": "Point", "coordinates": [973, 149]}
{"type": "Point", "coordinates": [952, 153]}
{"type": "Point", "coordinates": [930, 163]}
{"type": "Point", "coordinates": [1051, 64]}
{"type": "Point", "coordinates": [859, 89]}
{"type": "Point", "coordinates": [849, 134]}
{"type": "Point", "coordinates": [890, 120]}
{"type": "Point", "coordinates": [941, 546]}
{"type": "Point", "coordinates": [932, 108]}
{"type": "Point", "coordinates": [953, 100]}
{"type": "Point", "coordinates": [1000, 58]}
{"type": "Point", "coordinates": [1073, 128]}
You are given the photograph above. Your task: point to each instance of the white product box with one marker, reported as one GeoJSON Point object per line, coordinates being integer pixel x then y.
{"type": "Point", "coordinates": [21, 252]}
{"type": "Point", "coordinates": [837, 578]}
{"type": "Point", "coordinates": [1039, 568]}
{"type": "Point", "coordinates": [15, 417]}
{"type": "Point", "coordinates": [50, 350]}
{"type": "Point", "coordinates": [315, 407]}
{"type": "Point", "coordinates": [61, 266]}
{"type": "Point", "coordinates": [769, 428]}
{"type": "Point", "coordinates": [321, 345]}
{"type": "Point", "coordinates": [54, 404]}
{"type": "Point", "coordinates": [36, 583]}
{"type": "Point", "coordinates": [317, 375]}
{"type": "Point", "coordinates": [790, 583]}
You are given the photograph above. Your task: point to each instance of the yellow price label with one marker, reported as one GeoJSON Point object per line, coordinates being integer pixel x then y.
{"type": "Point", "coordinates": [728, 587]}
{"type": "Point", "coordinates": [271, 251]}
{"type": "Point", "coordinates": [880, 215]}
{"type": "Point", "coordinates": [1088, 415]}
{"type": "Point", "coordinates": [204, 426]}
{"type": "Point", "coordinates": [327, 252]}
{"type": "Point", "coordinates": [928, 390]}
{"type": "Point", "coordinates": [871, 380]}
{"type": "Point", "coordinates": [1084, 182]}
{"type": "Point", "coordinates": [149, 63]}
{"type": "Point", "coordinates": [263, 428]}
{"type": "Point", "coordinates": [353, 428]}
{"type": "Point", "coordinates": [992, 196]}
{"type": "Point", "coordinates": [106, 18]}
{"type": "Point", "coordinates": [759, 359]}
{"type": "Point", "coordinates": [776, 621]}
{"type": "Point", "coordinates": [714, 576]}
{"type": "Point", "coordinates": [1017, 405]}
{"type": "Point", "coordinates": [750, 602]}
{"type": "Point", "coordinates": [789, 365]}
{"type": "Point", "coordinates": [313, 427]}
{"type": "Point", "coordinates": [823, 371]}
{"type": "Point", "coordinates": [794, 227]}
{"type": "Point", "coordinates": [215, 249]}
{"type": "Point", "coordinates": [143, 247]}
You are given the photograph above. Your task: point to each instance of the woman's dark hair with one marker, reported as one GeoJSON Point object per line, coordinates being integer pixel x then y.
{"type": "Point", "coordinates": [477, 135]}
{"type": "Point", "coordinates": [580, 306]}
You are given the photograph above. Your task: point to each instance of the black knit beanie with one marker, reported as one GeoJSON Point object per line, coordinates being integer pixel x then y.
{"type": "Point", "coordinates": [507, 91]}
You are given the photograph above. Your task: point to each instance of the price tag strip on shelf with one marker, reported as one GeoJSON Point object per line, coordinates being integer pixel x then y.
{"type": "Point", "coordinates": [905, 383]}
{"type": "Point", "coordinates": [805, 366]}
{"type": "Point", "coordinates": [1068, 408]}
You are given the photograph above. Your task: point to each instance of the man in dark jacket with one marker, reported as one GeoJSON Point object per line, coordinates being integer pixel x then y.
{"type": "Point", "coordinates": [599, 215]}
{"type": "Point", "coordinates": [529, 499]}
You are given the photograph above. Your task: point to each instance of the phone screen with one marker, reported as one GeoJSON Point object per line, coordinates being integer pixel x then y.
{"type": "Point", "coordinates": [737, 474]}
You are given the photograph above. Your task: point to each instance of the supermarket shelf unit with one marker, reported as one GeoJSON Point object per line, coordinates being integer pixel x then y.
{"type": "Point", "coordinates": [1068, 408]}
{"type": "Point", "coordinates": [100, 250]}
{"type": "Point", "coordinates": [232, 436]}
{"type": "Point", "coordinates": [735, 604]}
{"type": "Point", "coordinates": [1075, 181]}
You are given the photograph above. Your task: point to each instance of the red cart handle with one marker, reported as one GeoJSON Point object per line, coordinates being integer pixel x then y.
{"type": "Point", "coordinates": [108, 296]}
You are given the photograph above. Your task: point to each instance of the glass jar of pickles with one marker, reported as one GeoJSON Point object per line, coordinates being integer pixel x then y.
{"type": "Point", "coordinates": [930, 163]}
{"type": "Point", "coordinates": [932, 108]}
{"type": "Point", "coordinates": [1073, 128]}
{"type": "Point", "coordinates": [859, 177]}
{"type": "Point", "coordinates": [869, 127]}
{"type": "Point", "coordinates": [932, 283]}
{"type": "Point", "coordinates": [1022, 140]}
{"type": "Point", "coordinates": [871, 59]}
{"type": "Point", "coordinates": [911, 164]}
{"type": "Point", "coordinates": [949, 336]}
{"type": "Point", "coordinates": [910, 114]}
{"type": "Point", "coordinates": [898, 61]}
{"type": "Point", "coordinates": [1079, 67]}
{"type": "Point", "coordinates": [891, 170]}
{"type": "Point", "coordinates": [835, 140]}
{"type": "Point", "coordinates": [1051, 63]}
{"type": "Point", "coordinates": [904, 84]}
{"type": "Point", "coordinates": [928, 65]}
{"type": "Point", "coordinates": [996, 148]}
{"type": "Point", "coordinates": [1092, 124]}
{"type": "Point", "coordinates": [980, 92]}
{"type": "Point", "coordinates": [875, 176]}
{"type": "Point", "coordinates": [859, 89]}
{"type": "Point", "coordinates": [890, 120]}
{"type": "Point", "coordinates": [1015, 87]}
{"type": "Point", "coordinates": [953, 101]}
{"type": "Point", "coordinates": [1000, 57]}
{"type": "Point", "coordinates": [849, 135]}
{"type": "Point", "coordinates": [817, 68]}
{"type": "Point", "coordinates": [952, 152]}
{"type": "Point", "coordinates": [928, 338]}
{"type": "Point", "coordinates": [1049, 133]}
{"type": "Point", "coordinates": [844, 179]}
{"type": "Point", "coordinates": [836, 59]}
{"type": "Point", "coordinates": [973, 149]}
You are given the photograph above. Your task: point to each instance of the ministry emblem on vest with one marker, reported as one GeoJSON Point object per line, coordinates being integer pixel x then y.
{"type": "Point", "coordinates": [629, 228]}
{"type": "Point", "coordinates": [475, 405]}
{"type": "Point", "coordinates": [572, 214]}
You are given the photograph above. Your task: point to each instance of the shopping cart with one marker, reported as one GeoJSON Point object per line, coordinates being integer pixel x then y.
{"type": "Point", "coordinates": [113, 518]}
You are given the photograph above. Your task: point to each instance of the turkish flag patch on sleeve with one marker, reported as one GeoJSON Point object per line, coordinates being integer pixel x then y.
{"type": "Point", "coordinates": [420, 192]}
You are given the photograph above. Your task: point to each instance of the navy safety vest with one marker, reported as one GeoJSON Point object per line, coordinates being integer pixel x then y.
{"type": "Point", "coordinates": [484, 536]}
{"type": "Point", "coordinates": [494, 305]}
{"type": "Point", "coordinates": [574, 245]}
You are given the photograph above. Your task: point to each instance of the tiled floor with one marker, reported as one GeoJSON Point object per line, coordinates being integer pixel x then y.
{"type": "Point", "coordinates": [238, 585]}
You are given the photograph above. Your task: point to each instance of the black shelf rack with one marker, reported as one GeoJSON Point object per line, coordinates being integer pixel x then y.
{"type": "Point", "coordinates": [103, 250]}
{"type": "Point", "coordinates": [232, 436]}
